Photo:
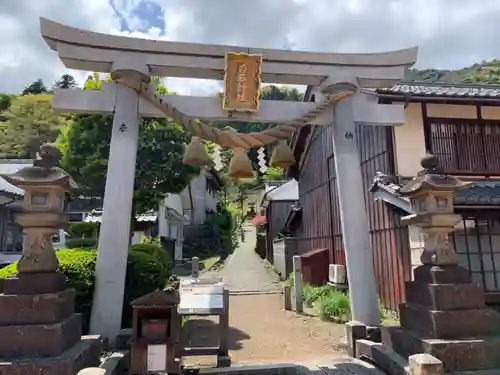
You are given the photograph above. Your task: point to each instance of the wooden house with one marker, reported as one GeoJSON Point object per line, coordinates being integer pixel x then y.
{"type": "Point", "coordinates": [276, 205]}
{"type": "Point", "coordinates": [460, 124]}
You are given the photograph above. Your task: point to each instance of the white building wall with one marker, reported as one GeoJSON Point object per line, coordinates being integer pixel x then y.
{"type": "Point", "coordinates": [198, 193]}
{"type": "Point", "coordinates": [171, 222]}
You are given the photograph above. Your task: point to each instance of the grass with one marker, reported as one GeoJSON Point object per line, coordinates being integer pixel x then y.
{"type": "Point", "coordinates": [334, 305]}
{"type": "Point", "coordinates": [209, 262]}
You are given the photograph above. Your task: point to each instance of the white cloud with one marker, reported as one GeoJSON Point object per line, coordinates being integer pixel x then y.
{"type": "Point", "coordinates": [451, 33]}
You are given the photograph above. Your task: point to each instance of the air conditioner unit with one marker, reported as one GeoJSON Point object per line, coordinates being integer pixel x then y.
{"type": "Point", "coordinates": [336, 274]}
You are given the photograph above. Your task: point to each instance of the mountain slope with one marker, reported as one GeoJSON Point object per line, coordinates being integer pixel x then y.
{"type": "Point", "coordinates": [485, 72]}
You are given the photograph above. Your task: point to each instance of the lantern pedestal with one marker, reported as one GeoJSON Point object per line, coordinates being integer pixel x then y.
{"type": "Point", "coordinates": [39, 331]}
{"type": "Point", "coordinates": [445, 315]}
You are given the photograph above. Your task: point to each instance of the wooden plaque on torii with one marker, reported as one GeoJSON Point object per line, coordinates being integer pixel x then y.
{"type": "Point", "coordinates": [242, 82]}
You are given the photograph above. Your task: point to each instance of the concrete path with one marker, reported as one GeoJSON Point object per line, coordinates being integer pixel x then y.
{"type": "Point", "coordinates": [245, 272]}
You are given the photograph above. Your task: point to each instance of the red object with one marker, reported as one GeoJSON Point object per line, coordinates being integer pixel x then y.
{"type": "Point", "coordinates": [259, 220]}
{"type": "Point", "coordinates": [315, 266]}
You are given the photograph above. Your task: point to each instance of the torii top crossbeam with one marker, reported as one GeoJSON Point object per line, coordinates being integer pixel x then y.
{"type": "Point", "coordinates": [91, 51]}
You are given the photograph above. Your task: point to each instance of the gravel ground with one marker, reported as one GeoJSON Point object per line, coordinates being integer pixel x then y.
{"type": "Point", "coordinates": [261, 331]}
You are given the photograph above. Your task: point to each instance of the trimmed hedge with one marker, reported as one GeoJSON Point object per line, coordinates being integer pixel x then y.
{"type": "Point", "coordinates": [145, 273]}
{"type": "Point", "coordinates": [155, 250]}
{"type": "Point", "coordinates": [81, 243]}
{"type": "Point", "coordinates": [84, 229]}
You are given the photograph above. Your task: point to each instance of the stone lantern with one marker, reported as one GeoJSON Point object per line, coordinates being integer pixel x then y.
{"type": "Point", "coordinates": [40, 333]}
{"type": "Point", "coordinates": [431, 199]}
{"type": "Point", "coordinates": [42, 212]}
{"type": "Point", "coordinates": [444, 314]}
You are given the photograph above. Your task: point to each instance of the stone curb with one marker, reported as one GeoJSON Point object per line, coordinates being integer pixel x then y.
{"type": "Point", "coordinates": [111, 365]}
{"type": "Point", "coordinates": [271, 369]}
{"type": "Point", "coordinates": [253, 292]}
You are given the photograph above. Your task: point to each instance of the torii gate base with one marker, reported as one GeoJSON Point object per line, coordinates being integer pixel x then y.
{"type": "Point", "coordinates": [137, 59]}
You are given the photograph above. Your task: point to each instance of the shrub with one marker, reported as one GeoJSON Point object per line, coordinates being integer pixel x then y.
{"type": "Point", "coordinates": [334, 306]}
{"type": "Point", "coordinates": [145, 273]}
{"type": "Point", "coordinates": [311, 294]}
{"type": "Point", "coordinates": [154, 250]}
{"type": "Point", "coordinates": [203, 241]}
{"type": "Point", "coordinates": [83, 229]}
{"type": "Point", "coordinates": [81, 243]}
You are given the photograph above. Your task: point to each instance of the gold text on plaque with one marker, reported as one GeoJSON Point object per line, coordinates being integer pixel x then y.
{"type": "Point", "coordinates": [242, 82]}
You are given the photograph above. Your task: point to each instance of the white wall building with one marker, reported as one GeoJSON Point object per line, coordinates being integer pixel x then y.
{"type": "Point", "coordinates": [190, 207]}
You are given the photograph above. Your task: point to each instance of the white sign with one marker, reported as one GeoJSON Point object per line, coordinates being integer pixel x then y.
{"type": "Point", "coordinates": [193, 302]}
{"type": "Point", "coordinates": [202, 289]}
{"type": "Point", "coordinates": [157, 357]}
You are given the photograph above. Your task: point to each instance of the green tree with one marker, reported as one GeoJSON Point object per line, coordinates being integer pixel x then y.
{"type": "Point", "coordinates": [159, 167]}
{"type": "Point", "coordinates": [93, 82]}
{"type": "Point", "coordinates": [37, 87]}
{"type": "Point", "coordinates": [5, 101]}
{"type": "Point", "coordinates": [67, 81]}
{"type": "Point", "coordinates": [30, 121]}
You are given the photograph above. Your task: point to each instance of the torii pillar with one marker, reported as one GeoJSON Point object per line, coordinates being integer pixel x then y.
{"type": "Point", "coordinates": [358, 109]}
{"type": "Point", "coordinates": [106, 317]}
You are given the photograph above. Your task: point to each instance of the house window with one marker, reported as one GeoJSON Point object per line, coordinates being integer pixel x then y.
{"type": "Point", "coordinates": [477, 243]}
{"type": "Point", "coordinates": [465, 146]}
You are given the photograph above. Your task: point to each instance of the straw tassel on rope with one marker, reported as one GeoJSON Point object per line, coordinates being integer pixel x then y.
{"type": "Point", "coordinates": [240, 165]}
{"type": "Point", "coordinates": [196, 153]}
{"type": "Point", "coordinates": [282, 156]}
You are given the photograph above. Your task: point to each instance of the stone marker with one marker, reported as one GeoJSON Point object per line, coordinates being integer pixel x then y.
{"type": "Point", "coordinates": [425, 364]}
{"type": "Point", "coordinates": [195, 267]}
{"type": "Point", "coordinates": [297, 284]}
{"type": "Point", "coordinates": [93, 371]}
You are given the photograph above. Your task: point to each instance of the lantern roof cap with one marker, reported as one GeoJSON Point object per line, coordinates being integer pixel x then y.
{"type": "Point", "coordinates": [45, 171]}
{"type": "Point", "coordinates": [431, 179]}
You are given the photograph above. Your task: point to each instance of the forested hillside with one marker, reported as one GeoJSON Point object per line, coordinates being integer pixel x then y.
{"type": "Point", "coordinates": [484, 72]}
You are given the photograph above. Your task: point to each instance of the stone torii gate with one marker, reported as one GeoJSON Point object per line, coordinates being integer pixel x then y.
{"type": "Point", "coordinates": [341, 81]}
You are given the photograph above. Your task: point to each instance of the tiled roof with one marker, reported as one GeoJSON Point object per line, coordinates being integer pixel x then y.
{"type": "Point", "coordinates": [479, 193]}
{"type": "Point", "coordinates": [484, 91]}
{"type": "Point", "coordinates": [483, 192]}
{"type": "Point", "coordinates": [10, 166]}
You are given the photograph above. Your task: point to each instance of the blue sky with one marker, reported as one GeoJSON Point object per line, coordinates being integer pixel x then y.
{"type": "Point", "coordinates": [139, 15]}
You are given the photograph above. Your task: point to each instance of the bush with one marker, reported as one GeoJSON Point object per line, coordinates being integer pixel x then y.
{"type": "Point", "coordinates": [203, 241]}
{"type": "Point", "coordinates": [145, 273]}
{"type": "Point", "coordinates": [311, 293]}
{"type": "Point", "coordinates": [81, 243]}
{"type": "Point", "coordinates": [156, 251]}
{"type": "Point", "coordinates": [83, 229]}
{"type": "Point", "coordinates": [334, 306]}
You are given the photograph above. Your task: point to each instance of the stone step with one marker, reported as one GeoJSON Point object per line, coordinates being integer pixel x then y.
{"type": "Point", "coordinates": [449, 324]}
{"type": "Point", "coordinates": [47, 308]}
{"type": "Point", "coordinates": [457, 355]}
{"type": "Point", "coordinates": [41, 340]}
{"type": "Point", "coordinates": [445, 296]}
{"type": "Point", "coordinates": [85, 353]}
